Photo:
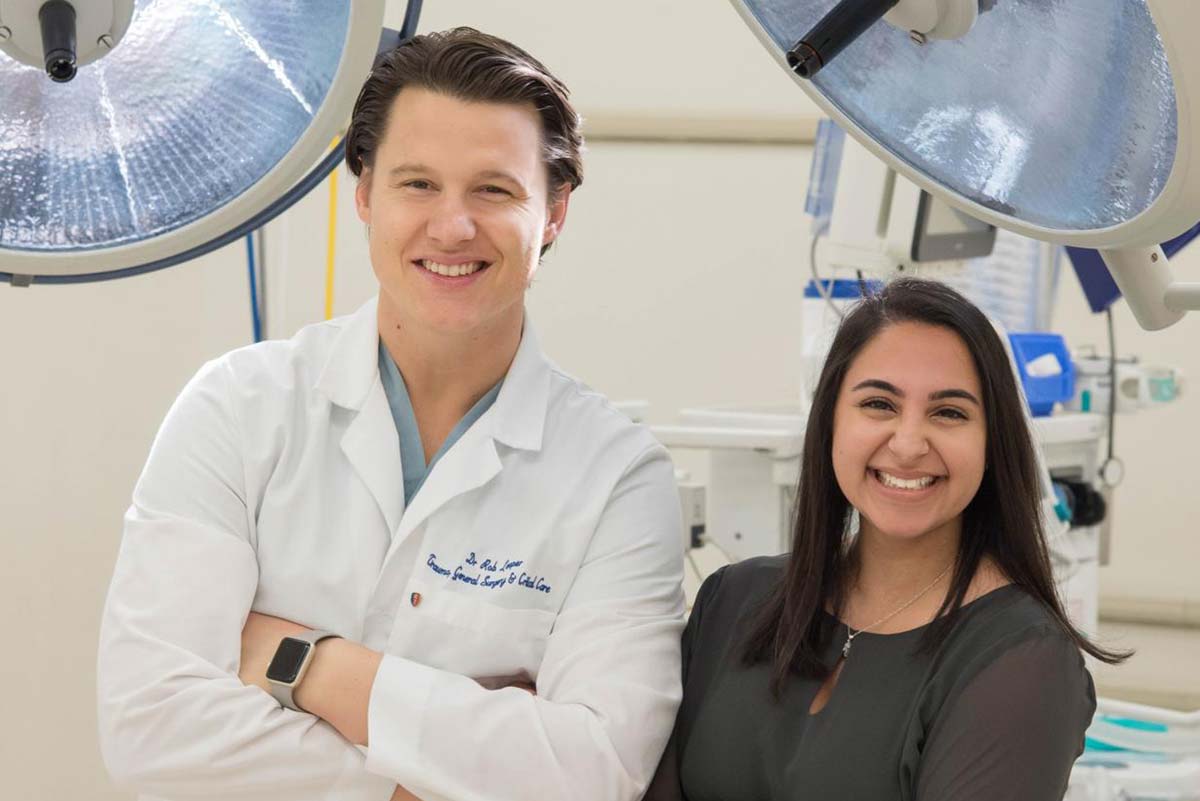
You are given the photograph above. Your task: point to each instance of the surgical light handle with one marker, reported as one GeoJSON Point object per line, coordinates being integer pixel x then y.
{"type": "Point", "coordinates": [844, 23]}
{"type": "Point", "coordinates": [1144, 277]}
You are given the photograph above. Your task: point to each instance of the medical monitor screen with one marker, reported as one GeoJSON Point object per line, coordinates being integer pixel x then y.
{"type": "Point", "coordinates": [947, 234]}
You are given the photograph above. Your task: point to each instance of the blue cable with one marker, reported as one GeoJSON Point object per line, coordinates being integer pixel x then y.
{"type": "Point", "coordinates": [253, 288]}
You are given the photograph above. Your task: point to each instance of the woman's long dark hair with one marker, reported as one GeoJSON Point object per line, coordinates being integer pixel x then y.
{"type": "Point", "coordinates": [1002, 521]}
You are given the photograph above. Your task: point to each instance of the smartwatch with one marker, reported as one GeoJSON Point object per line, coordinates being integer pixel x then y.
{"type": "Point", "coordinates": [290, 663]}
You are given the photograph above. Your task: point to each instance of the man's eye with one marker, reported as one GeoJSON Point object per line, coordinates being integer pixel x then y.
{"type": "Point", "coordinates": [491, 189]}
{"type": "Point", "coordinates": [417, 184]}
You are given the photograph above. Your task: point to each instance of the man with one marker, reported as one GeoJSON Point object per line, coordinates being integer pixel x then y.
{"type": "Point", "coordinates": [497, 551]}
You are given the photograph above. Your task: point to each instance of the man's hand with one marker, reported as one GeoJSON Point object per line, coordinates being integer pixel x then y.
{"type": "Point", "coordinates": [337, 686]}
{"type": "Point", "coordinates": [260, 638]}
{"type": "Point", "coordinates": [331, 690]}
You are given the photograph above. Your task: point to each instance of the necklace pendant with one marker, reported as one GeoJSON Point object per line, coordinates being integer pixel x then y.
{"type": "Point", "coordinates": [846, 648]}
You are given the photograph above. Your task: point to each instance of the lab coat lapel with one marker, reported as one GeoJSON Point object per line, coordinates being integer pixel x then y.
{"type": "Point", "coordinates": [469, 464]}
{"type": "Point", "coordinates": [516, 420]}
{"type": "Point", "coordinates": [350, 379]}
{"type": "Point", "coordinates": [371, 446]}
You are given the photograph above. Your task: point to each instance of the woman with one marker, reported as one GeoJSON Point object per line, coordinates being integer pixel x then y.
{"type": "Point", "coordinates": [924, 655]}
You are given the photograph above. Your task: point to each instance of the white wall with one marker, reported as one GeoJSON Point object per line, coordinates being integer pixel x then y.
{"type": "Point", "coordinates": [1155, 556]}
{"type": "Point", "coordinates": [645, 66]}
{"type": "Point", "coordinates": [677, 281]}
{"type": "Point", "coordinates": [87, 373]}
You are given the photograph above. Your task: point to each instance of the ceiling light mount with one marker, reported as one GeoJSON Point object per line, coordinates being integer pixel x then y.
{"type": "Point", "coordinates": [60, 36]}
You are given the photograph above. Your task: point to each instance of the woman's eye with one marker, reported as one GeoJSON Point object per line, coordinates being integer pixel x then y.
{"type": "Point", "coordinates": [951, 413]}
{"type": "Point", "coordinates": [878, 404]}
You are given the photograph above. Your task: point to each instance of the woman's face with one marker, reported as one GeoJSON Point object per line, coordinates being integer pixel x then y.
{"type": "Point", "coordinates": [909, 433]}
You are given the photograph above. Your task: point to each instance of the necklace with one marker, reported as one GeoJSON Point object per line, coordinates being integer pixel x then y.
{"type": "Point", "coordinates": [851, 633]}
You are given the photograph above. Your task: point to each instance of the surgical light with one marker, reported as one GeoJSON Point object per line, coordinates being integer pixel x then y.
{"type": "Point", "coordinates": [187, 123]}
{"type": "Point", "coordinates": [1074, 121]}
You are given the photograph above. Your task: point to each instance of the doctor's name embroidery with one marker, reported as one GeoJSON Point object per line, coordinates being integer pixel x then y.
{"type": "Point", "coordinates": [489, 574]}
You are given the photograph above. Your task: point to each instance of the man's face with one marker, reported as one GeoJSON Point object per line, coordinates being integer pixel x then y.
{"type": "Point", "coordinates": [458, 209]}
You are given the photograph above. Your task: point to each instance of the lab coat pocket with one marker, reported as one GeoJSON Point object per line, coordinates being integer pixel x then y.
{"type": "Point", "coordinates": [492, 644]}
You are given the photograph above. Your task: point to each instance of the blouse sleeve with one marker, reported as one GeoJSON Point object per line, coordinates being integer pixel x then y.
{"type": "Point", "coordinates": [666, 784]}
{"type": "Point", "coordinates": [1014, 730]}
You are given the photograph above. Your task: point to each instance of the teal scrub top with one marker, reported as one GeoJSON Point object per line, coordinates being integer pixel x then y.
{"type": "Point", "coordinates": [412, 450]}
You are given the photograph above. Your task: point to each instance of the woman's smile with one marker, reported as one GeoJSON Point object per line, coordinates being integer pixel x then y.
{"type": "Point", "coordinates": [907, 488]}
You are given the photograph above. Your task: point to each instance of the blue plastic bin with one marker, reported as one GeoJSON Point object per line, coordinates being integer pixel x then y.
{"type": "Point", "coordinates": [840, 288]}
{"type": "Point", "coordinates": [1043, 392]}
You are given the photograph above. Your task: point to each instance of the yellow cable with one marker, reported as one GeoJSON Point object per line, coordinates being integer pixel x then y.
{"type": "Point", "coordinates": [329, 250]}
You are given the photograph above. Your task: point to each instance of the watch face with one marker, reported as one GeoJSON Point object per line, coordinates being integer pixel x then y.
{"type": "Point", "coordinates": [289, 656]}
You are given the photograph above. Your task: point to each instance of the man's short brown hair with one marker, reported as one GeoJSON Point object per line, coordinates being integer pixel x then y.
{"type": "Point", "coordinates": [474, 67]}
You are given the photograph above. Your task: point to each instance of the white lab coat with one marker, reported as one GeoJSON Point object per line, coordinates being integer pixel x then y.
{"type": "Point", "coordinates": [546, 543]}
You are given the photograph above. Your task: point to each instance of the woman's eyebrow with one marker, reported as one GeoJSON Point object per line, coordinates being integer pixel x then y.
{"type": "Point", "coordinates": [878, 383]}
{"type": "Point", "coordinates": [961, 394]}
{"type": "Point", "coordinates": [942, 394]}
